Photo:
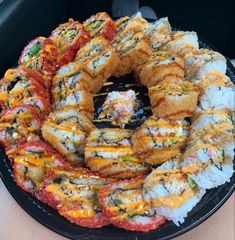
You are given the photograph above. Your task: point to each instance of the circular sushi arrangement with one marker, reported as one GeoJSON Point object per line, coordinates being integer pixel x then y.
{"type": "Point", "coordinates": [135, 179]}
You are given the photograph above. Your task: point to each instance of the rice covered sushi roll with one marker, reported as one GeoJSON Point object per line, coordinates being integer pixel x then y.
{"type": "Point", "coordinates": [209, 166]}
{"type": "Point", "coordinates": [66, 130]}
{"type": "Point", "coordinates": [158, 140]}
{"type": "Point", "coordinates": [182, 43]}
{"type": "Point", "coordinates": [100, 24]}
{"type": "Point", "coordinates": [158, 33]}
{"type": "Point", "coordinates": [174, 100]}
{"type": "Point", "coordinates": [69, 37]}
{"type": "Point", "coordinates": [22, 86]}
{"type": "Point", "coordinates": [32, 161]}
{"type": "Point", "coordinates": [218, 98]}
{"type": "Point", "coordinates": [119, 107]}
{"type": "Point", "coordinates": [19, 125]}
{"type": "Point", "coordinates": [123, 204]}
{"type": "Point", "coordinates": [204, 61]}
{"type": "Point", "coordinates": [109, 151]}
{"type": "Point", "coordinates": [171, 194]}
{"type": "Point", "coordinates": [81, 100]}
{"type": "Point", "coordinates": [162, 66]}
{"type": "Point", "coordinates": [41, 55]}
{"type": "Point", "coordinates": [71, 78]}
{"type": "Point", "coordinates": [74, 193]}
{"type": "Point", "coordinates": [214, 127]}
{"type": "Point", "coordinates": [132, 53]}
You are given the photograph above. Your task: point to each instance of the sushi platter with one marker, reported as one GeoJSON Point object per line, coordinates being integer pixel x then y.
{"type": "Point", "coordinates": [118, 129]}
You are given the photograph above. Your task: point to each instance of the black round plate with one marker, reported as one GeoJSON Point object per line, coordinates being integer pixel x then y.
{"type": "Point", "coordinates": [209, 204]}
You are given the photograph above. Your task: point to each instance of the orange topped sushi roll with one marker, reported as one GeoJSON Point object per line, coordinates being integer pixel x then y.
{"type": "Point", "coordinates": [69, 37]}
{"type": "Point", "coordinates": [41, 55]}
{"type": "Point", "coordinates": [100, 24]}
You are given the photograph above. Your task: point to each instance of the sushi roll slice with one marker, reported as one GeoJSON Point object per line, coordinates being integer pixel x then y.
{"type": "Point", "coordinates": [218, 98]}
{"type": "Point", "coordinates": [204, 61]}
{"type": "Point", "coordinates": [182, 43]}
{"type": "Point", "coordinates": [109, 152]}
{"type": "Point", "coordinates": [209, 166]}
{"type": "Point", "coordinates": [92, 49]}
{"type": "Point", "coordinates": [80, 100]}
{"type": "Point", "coordinates": [158, 140]}
{"type": "Point", "coordinates": [41, 55]}
{"type": "Point", "coordinates": [127, 27]}
{"type": "Point", "coordinates": [213, 127]}
{"type": "Point", "coordinates": [32, 161]}
{"type": "Point", "coordinates": [119, 107]}
{"type": "Point", "coordinates": [102, 67]}
{"type": "Point", "coordinates": [71, 78]}
{"type": "Point", "coordinates": [123, 204]}
{"type": "Point", "coordinates": [100, 24]}
{"type": "Point", "coordinates": [162, 66]}
{"type": "Point", "coordinates": [74, 193]}
{"type": "Point", "coordinates": [174, 100]}
{"type": "Point", "coordinates": [171, 194]}
{"type": "Point", "coordinates": [19, 125]}
{"type": "Point", "coordinates": [20, 86]}
{"type": "Point", "coordinates": [133, 53]}
{"type": "Point", "coordinates": [66, 130]}
{"type": "Point", "coordinates": [158, 33]}
{"type": "Point", "coordinates": [69, 37]}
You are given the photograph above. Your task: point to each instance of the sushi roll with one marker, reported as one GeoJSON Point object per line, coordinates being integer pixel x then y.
{"type": "Point", "coordinates": [174, 100]}
{"type": "Point", "coordinates": [74, 193]}
{"type": "Point", "coordinates": [81, 100]}
{"type": "Point", "coordinates": [100, 24]}
{"type": "Point", "coordinates": [69, 37]}
{"type": "Point", "coordinates": [218, 98]}
{"type": "Point", "coordinates": [213, 78]}
{"type": "Point", "coordinates": [21, 86]}
{"type": "Point", "coordinates": [66, 130]}
{"type": "Point", "coordinates": [102, 67]}
{"type": "Point", "coordinates": [204, 61]}
{"type": "Point", "coordinates": [123, 204]}
{"type": "Point", "coordinates": [109, 152]}
{"type": "Point", "coordinates": [182, 43]}
{"type": "Point", "coordinates": [132, 53]}
{"type": "Point", "coordinates": [71, 78]}
{"type": "Point", "coordinates": [213, 127]}
{"type": "Point", "coordinates": [32, 161]}
{"type": "Point", "coordinates": [171, 194]}
{"type": "Point", "coordinates": [128, 27]}
{"type": "Point", "coordinates": [93, 48]}
{"type": "Point", "coordinates": [209, 166]}
{"type": "Point", "coordinates": [119, 107]}
{"type": "Point", "coordinates": [41, 55]}
{"type": "Point", "coordinates": [162, 66]}
{"type": "Point", "coordinates": [158, 140]}
{"type": "Point", "coordinates": [19, 125]}
{"type": "Point", "coordinates": [158, 33]}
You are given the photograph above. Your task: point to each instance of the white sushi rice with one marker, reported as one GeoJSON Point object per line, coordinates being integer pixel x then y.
{"type": "Point", "coordinates": [212, 177]}
{"type": "Point", "coordinates": [220, 98]}
{"type": "Point", "coordinates": [178, 215]}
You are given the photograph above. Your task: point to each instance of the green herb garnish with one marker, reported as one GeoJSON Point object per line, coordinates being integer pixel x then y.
{"type": "Point", "coordinates": [96, 24]}
{"type": "Point", "coordinates": [192, 183]}
{"type": "Point", "coordinates": [34, 50]}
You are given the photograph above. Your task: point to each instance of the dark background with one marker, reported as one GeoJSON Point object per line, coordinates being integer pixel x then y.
{"type": "Point", "coordinates": [22, 20]}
